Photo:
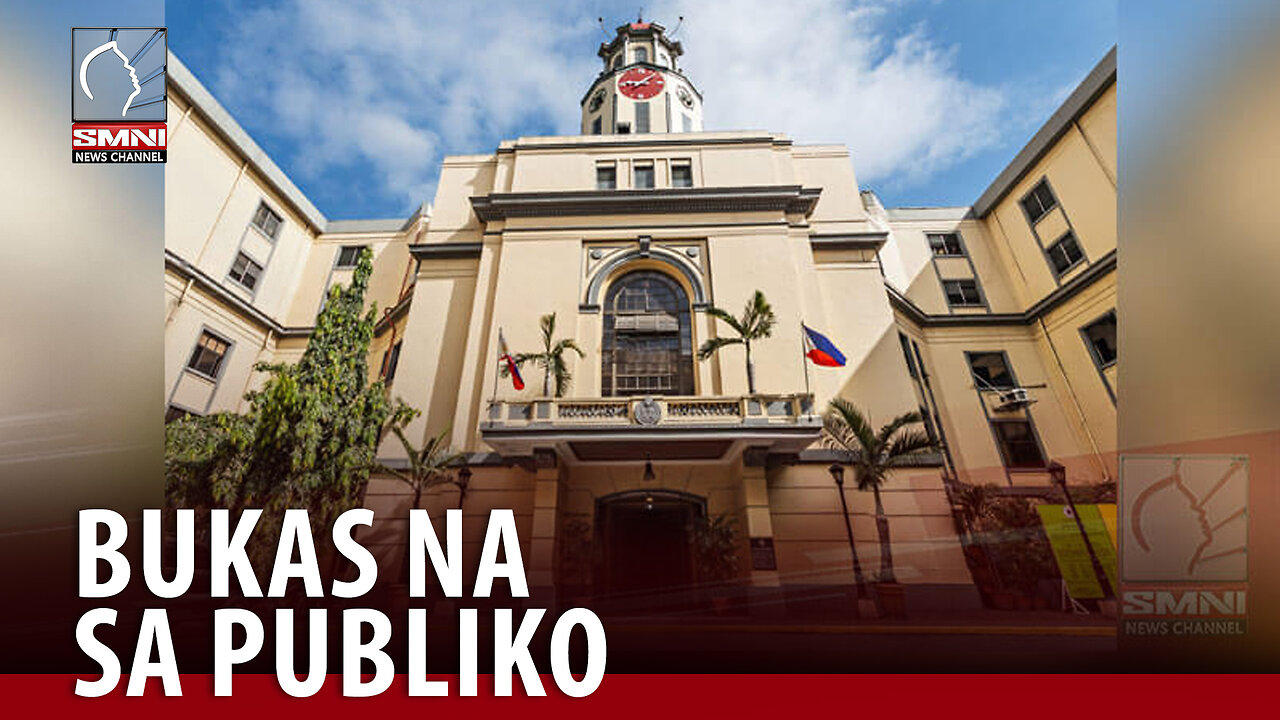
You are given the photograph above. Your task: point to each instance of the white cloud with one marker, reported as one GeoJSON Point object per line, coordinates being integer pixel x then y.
{"type": "Point", "coordinates": [397, 85]}
{"type": "Point", "coordinates": [829, 71]}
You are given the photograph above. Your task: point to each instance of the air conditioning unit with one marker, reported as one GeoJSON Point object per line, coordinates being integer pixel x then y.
{"type": "Point", "coordinates": [1013, 399]}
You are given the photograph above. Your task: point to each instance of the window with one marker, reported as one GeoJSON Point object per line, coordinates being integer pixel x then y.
{"type": "Point", "coordinates": [617, 60]}
{"type": "Point", "coordinates": [349, 255]}
{"type": "Point", "coordinates": [962, 293]}
{"type": "Point", "coordinates": [1101, 337]}
{"type": "Point", "coordinates": [266, 220]}
{"type": "Point", "coordinates": [643, 176]}
{"type": "Point", "coordinates": [1039, 201]}
{"type": "Point", "coordinates": [596, 125]}
{"type": "Point", "coordinates": [648, 345]}
{"type": "Point", "coordinates": [642, 117]}
{"type": "Point", "coordinates": [1018, 444]}
{"type": "Point", "coordinates": [245, 271]}
{"type": "Point", "coordinates": [686, 123]}
{"type": "Point", "coordinates": [207, 356]}
{"type": "Point", "coordinates": [1064, 254]}
{"type": "Point", "coordinates": [389, 362]}
{"type": "Point", "coordinates": [906, 354]}
{"type": "Point", "coordinates": [624, 128]}
{"type": "Point", "coordinates": [173, 412]}
{"type": "Point", "coordinates": [681, 174]}
{"type": "Point", "coordinates": [990, 370]}
{"type": "Point", "coordinates": [606, 176]}
{"type": "Point", "coordinates": [642, 54]}
{"type": "Point", "coordinates": [945, 244]}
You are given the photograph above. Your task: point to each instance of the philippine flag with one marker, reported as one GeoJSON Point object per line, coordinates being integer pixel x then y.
{"type": "Point", "coordinates": [505, 356]}
{"type": "Point", "coordinates": [820, 350]}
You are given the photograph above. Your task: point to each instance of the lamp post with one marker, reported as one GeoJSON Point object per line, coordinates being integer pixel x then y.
{"type": "Point", "coordinates": [837, 474]}
{"type": "Point", "coordinates": [464, 479]}
{"type": "Point", "coordinates": [1059, 474]}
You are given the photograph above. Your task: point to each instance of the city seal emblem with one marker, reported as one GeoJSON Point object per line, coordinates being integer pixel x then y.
{"type": "Point", "coordinates": [647, 412]}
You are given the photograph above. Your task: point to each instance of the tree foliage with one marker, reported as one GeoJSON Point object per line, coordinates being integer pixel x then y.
{"type": "Point", "coordinates": [757, 322]}
{"type": "Point", "coordinates": [873, 455]}
{"type": "Point", "coordinates": [310, 435]}
{"type": "Point", "coordinates": [551, 358]}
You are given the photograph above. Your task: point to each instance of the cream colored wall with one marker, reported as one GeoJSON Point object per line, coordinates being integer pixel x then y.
{"type": "Point", "coordinates": [187, 320]}
{"type": "Point", "coordinates": [1080, 168]}
{"type": "Point", "coordinates": [1060, 427]}
{"type": "Point", "coordinates": [211, 195]}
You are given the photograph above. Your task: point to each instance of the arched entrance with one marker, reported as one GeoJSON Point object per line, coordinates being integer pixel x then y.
{"type": "Point", "coordinates": [646, 540]}
{"type": "Point", "coordinates": [648, 338]}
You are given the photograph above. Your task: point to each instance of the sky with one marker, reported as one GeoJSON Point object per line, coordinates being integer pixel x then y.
{"type": "Point", "coordinates": [359, 102]}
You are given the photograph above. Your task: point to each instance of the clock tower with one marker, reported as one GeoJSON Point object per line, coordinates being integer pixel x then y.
{"type": "Point", "coordinates": [641, 88]}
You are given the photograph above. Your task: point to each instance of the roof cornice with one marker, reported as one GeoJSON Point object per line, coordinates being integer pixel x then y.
{"type": "Point", "coordinates": [217, 116]}
{"type": "Point", "coordinates": [756, 198]}
{"type": "Point", "coordinates": [872, 240]}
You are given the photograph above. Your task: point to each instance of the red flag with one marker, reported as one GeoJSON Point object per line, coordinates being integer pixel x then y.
{"type": "Point", "coordinates": [505, 356]}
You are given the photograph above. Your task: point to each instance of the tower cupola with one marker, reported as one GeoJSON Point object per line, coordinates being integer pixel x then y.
{"type": "Point", "coordinates": [640, 88]}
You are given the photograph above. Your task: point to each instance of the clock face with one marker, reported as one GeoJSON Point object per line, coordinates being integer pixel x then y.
{"type": "Point", "coordinates": [640, 83]}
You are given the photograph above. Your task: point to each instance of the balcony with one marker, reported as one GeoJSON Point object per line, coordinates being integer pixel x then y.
{"type": "Point", "coordinates": [637, 428]}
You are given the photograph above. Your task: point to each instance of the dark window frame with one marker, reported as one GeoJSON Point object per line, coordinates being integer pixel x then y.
{"type": "Point", "coordinates": [1013, 460]}
{"type": "Point", "coordinates": [1033, 202]}
{"type": "Point", "coordinates": [391, 361]}
{"type": "Point", "coordinates": [627, 350]}
{"type": "Point", "coordinates": [341, 262]}
{"type": "Point", "coordinates": [635, 175]}
{"type": "Point", "coordinates": [687, 167]}
{"type": "Point", "coordinates": [194, 359]}
{"type": "Point", "coordinates": [238, 276]}
{"type": "Point", "coordinates": [609, 171]}
{"type": "Point", "coordinates": [971, 355]}
{"type": "Point", "coordinates": [174, 412]}
{"type": "Point", "coordinates": [977, 288]}
{"type": "Point", "coordinates": [905, 342]}
{"type": "Point", "coordinates": [643, 117]}
{"type": "Point", "coordinates": [1107, 318]}
{"type": "Point", "coordinates": [959, 244]}
{"type": "Point", "coordinates": [266, 215]}
{"type": "Point", "coordinates": [1068, 239]}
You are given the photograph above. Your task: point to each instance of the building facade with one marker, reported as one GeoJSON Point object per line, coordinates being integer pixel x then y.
{"type": "Point", "coordinates": [997, 321]}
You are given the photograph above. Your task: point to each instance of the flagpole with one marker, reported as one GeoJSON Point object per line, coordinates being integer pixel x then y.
{"type": "Point", "coordinates": [497, 371]}
{"type": "Point", "coordinates": [804, 360]}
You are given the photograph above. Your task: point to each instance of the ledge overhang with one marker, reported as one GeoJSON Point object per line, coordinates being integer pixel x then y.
{"type": "Point", "coordinates": [790, 199]}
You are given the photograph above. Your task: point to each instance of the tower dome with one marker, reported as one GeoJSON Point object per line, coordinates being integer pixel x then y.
{"type": "Point", "coordinates": [640, 88]}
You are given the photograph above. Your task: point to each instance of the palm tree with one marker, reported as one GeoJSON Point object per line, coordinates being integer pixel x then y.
{"type": "Point", "coordinates": [873, 455]}
{"type": "Point", "coordinates": [551, 359]}
{"type": "Point", "coordinates": [429, 467]}
{"type": "Point", "coordinates": [757, 322]}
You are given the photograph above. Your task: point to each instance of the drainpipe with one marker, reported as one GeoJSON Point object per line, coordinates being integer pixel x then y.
{"type": "Point", "coordinates": [181, 296]}
{"type": "Point", "coordinates": [1084, 422]}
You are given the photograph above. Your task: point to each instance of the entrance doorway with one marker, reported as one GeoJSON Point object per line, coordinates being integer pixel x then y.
{"type": "Point", "coordinates": [646, 537]}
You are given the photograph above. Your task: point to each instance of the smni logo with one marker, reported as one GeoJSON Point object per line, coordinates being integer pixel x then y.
{"type": "Point", "coordinates": [1185, 518]}
{"type": "Point", "coordinates": [118, 99]}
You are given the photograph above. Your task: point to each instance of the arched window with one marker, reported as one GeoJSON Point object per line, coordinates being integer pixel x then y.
{"type": "Point", "coordinates": [648, 343]}
{"type": "Point", "coordinates": [642, 55]}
